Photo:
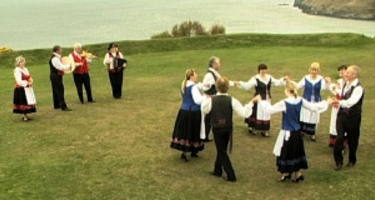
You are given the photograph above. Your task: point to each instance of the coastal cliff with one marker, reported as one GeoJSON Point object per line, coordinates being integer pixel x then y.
{"type": "Point", "coordinates": [350, 9]}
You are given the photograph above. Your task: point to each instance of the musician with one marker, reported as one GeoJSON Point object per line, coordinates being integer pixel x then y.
{"type": "Point", "coordinates": [349, 116]}
{"type": "Point", "coordinates": [115, 69]}
{"type": "Point", "coordinates": [81, 73]}
{"type": "Point", "coordinates": [57, 69]}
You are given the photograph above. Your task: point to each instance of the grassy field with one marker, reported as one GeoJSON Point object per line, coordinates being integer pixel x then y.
{"type": "Point", "coordinates": [119, 149]}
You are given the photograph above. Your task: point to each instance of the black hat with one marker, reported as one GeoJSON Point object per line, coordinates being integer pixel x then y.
{"type": "Point", "coordinates": [111, 45]}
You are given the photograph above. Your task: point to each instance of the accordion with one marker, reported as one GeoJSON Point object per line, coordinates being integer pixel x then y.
{"type": "Point", "coordinates": [118, 63]}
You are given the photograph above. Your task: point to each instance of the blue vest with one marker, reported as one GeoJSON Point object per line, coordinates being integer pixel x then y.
{"type": "Point", "coordinates": [188, 101]}
{"type": "Point", "coordinates": [291, 117]}
{"type": "Point", "coordinates": [312, 92]}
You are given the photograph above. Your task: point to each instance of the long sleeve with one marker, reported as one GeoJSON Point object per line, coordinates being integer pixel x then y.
{"type": "Point", "coordinates": [325, 85]}
{"type": "Point", "coordinates": [197, 96]}
{"type": "Point", "coordinates": [272, 109]}
{"type": "Point", "coordinates": [107, 60]}
{"type": "Point", "coordinates": [354, 98]}
{"type": "Point", "coordinates": [249, 84]}
{"type": "Point", "coordinates": [56, 62]}
{"type": "Point", "coordinates": [278, 82]}
{"type": "Point", "coordinates": [315, 107]}
{"type": "Point", "coordinates": [18, 77]}
{"type": "Point", "coordinates": [301, 83]}
{"type": "Point", "coordinates": [208, 81]}
{"type": "Point", "coordinates": [242, 111]}
{"type": "Point", "coordinates": [206, 105]}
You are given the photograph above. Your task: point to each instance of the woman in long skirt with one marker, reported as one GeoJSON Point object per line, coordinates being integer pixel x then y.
{"type": "Point", "coordinates": [289, 148]}
{"type": "Point", "coordinates": [260, 120]}
{"type": "Point", "coordinates": [24, 99]}
{"type": "Point", "coordinates": [312, 84]}
{"type": "Point", "coordinates": [187, 129]}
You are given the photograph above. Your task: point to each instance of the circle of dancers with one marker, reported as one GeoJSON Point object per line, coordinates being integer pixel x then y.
{"type": "Point", "coordinates": [207, 106]}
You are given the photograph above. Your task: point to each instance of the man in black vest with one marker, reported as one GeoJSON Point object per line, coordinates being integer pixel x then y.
{"type": "Point", "coordinates": [221, 107]}
{"type": "Point", "coordinates": [57, 69]}
{"type": "Point", "coordinates": [209, 88]}
{"type": "Point", "coordinates": [349, 116]}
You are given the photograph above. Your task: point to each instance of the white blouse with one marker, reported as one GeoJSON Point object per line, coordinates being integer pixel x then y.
{"type": "Point", "coordinates": [281, 107]}
{"type": "Point", "coordinates": [243, 111]}
{"type": "Point", "coordinates": [108, 60]}
{"type": "Point", "coordinates": [195, 91]}
{"type": "Point", "coordinates": [18, 71]}
{"type": "Point", "coordinates": [324, 86]}
{"type": "Point", "coordinates": [253, 82]}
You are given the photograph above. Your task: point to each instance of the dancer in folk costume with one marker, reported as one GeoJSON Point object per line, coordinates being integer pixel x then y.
{"type": "Point", "coordinates": [260, 120]}
{"type": "Point", "coordinates": [349, 117]}
{"type": "Point", "coordinates": [289, 148]}
{"type": "Point", "coordinates": [209, 88]}
{"type": "Point", "coordinates": [186, 134]}
{"type": "Point", "coordinates": [24, 99]}
{"type": "Point", "coordinates": [313, 84]}
{"type": "Point", "coordinates": [221, 107]}
{"type": "Point", "coordinates": [335, 88]}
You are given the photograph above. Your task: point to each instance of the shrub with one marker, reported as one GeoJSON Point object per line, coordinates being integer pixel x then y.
{"type": "Point", "coordinates": [190, 29]}
{"type": "Point", "coordinates": [217, 30]}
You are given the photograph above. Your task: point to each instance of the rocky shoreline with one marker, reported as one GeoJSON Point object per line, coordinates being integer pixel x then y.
{"type": "Point", "coordinates": [348, 9]}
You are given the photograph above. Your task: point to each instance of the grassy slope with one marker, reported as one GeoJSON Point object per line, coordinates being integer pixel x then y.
{"type": "Point", "coordinates": [119, 149]}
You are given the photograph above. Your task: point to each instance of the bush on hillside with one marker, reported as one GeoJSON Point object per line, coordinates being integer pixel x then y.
{"type": "Point", "coordinates": [217, 29]}
{"type": "Point", "coordinates": [190, 29]}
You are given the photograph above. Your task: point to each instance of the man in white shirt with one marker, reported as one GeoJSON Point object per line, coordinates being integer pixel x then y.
{"type": "Point", "coordinates": [57, 69]}
{"type": "Point", "coordinates": [209, 87]}
{"type": "Point", "coordinates": [221, 107]}
{"type": "Point", "coordinates": [349, 116]}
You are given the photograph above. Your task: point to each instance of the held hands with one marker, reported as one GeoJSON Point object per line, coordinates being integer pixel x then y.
{"type": "Point", "coordinates": [237, 84]}
{"type": "Point", "coordinates": [257, 98]}
{"type": "Point", "coordinates": [328, 79]}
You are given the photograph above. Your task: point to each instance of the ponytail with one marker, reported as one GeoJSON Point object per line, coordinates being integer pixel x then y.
{"type": "Point", "coordinates": [292, 88]}
{"type": "Point", "coordinates": [188, 74]}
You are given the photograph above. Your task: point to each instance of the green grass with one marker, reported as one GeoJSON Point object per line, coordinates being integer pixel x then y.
{"type": "Point", "coordinates": [119, 149]}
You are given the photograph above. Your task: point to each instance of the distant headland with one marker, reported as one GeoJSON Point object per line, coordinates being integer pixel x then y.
{"type": "Point", "coordinates": [350, 9]}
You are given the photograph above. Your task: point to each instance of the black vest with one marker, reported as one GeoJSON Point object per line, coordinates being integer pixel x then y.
{"type": "Point", "coordinates": [212, 90]}
{"type": "Point", "coordinates": [222, 112]}
{"type": "Point", "coordinates": [263, 89]}
{"type": "Point", "coordinates": [356, 109]}
{"type": "Point", "coordinates": [53, 70]}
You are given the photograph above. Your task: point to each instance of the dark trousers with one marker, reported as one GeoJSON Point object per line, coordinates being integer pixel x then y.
{"type": "Point", "coordinates": [222, 137]}
{"type": "Point", "coordinates": [350, 125]}
{"type": "Point", "coordinates": [116, 82]}
{"type": "Point", "coordinates": [207, 123]}
{"type": "Point", "coordinates": [58, 91]}
{"type": "Point", "coordinates": [81, 80]}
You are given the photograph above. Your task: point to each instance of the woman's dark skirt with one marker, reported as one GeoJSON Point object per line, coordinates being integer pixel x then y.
{"type": "Point", "coordinates": [20, 102]}
{"type": "Point", "coordinates": [308, 128]}
{"type": "Point", "coordinates": [292, 157]}
{"type": "Point", "coordinates": [186, 133]}
{"type": "Point", "coordinates": [256, 124]}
